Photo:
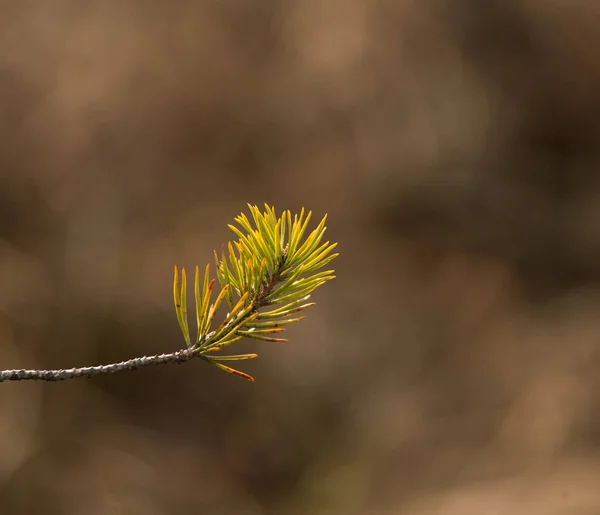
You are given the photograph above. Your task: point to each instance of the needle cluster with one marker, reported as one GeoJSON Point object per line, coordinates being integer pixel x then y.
{"type": "Point", "coordinates": [265, 276]}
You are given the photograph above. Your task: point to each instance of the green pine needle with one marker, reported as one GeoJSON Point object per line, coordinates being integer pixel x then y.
{"type": "Point", "coordinates": [269, 265]}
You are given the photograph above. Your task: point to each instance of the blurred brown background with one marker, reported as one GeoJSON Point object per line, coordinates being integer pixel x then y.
{"type": "Point", "coordinates": [453, 368]}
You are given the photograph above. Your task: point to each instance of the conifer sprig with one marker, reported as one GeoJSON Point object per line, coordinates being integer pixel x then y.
{"type": "Point", "coordinates": [265, 276]}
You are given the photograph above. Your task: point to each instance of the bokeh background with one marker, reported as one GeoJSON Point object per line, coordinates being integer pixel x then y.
{"type": "Point", "coordinates": [452, 368]}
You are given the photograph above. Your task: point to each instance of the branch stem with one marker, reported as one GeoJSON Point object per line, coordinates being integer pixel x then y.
{"type": "Point", "coordinates": [180, 356]}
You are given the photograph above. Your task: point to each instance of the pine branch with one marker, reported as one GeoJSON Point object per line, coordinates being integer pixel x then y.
{"type": "Point", "coordinates": [269, 265]}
